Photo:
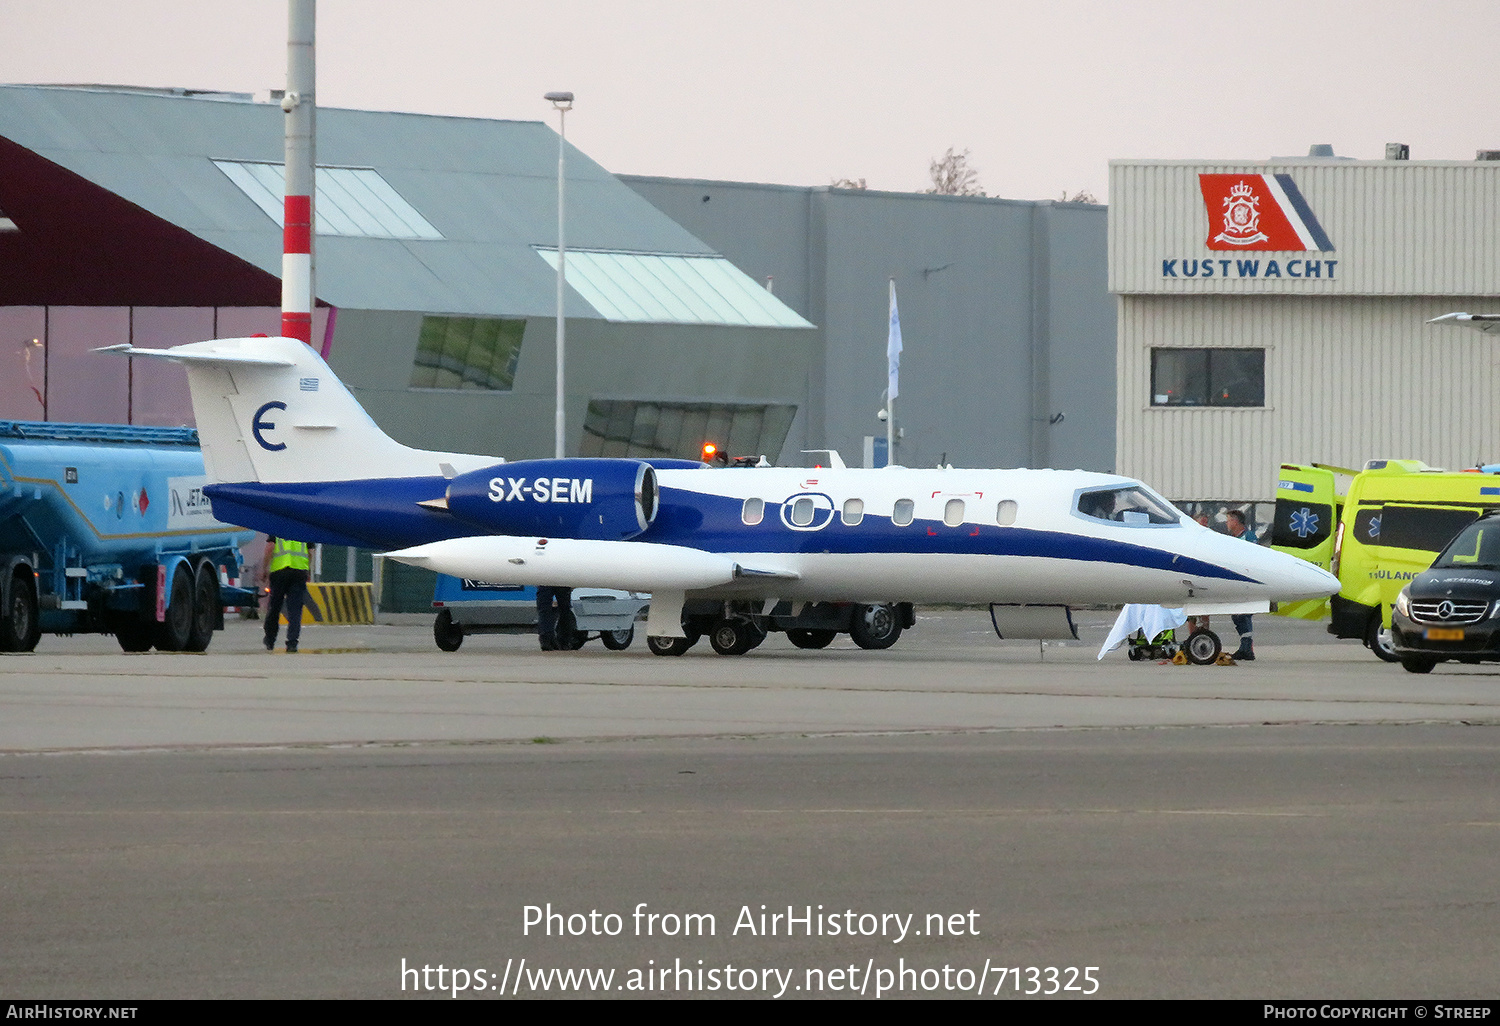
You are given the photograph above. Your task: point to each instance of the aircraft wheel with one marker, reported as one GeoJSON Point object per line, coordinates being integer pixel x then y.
{"type": "Point", "coordinates": [617, 641]}
{"type": "Point", "coordinates": [20, 626]}
{"type": "Point", "coordinates": [173, 632]}
{"type": "Point", "coordinates": [1418, 663]}
{"type": "Point", "coordinates": [1203, 648]}
{"type": "Point", "coordinates": [1380, 641]}
{"type": "Point", "coordinates": [669, 646]}
{"type": "Point", "coordinates": [733, 637]}
{"type": "Point", "coordinates": [205, 608]}
{"type": "Point", "coordinates": [448, 635]}
{"type": "Point", "coordinates": [811, 638]}
{"type": "Point", "coordinates": [875, 627]}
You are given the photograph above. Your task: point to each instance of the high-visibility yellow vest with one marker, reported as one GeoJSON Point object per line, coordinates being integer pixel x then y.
{"type": "Point", "coordinates": [289, 553]}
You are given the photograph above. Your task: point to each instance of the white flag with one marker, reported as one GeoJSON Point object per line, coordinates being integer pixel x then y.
{"type": "Point", "coordinates": [893, 348]}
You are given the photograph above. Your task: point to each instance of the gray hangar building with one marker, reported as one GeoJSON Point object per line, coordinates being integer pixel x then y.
{"type": "Point", "coordinates": [753, 316]}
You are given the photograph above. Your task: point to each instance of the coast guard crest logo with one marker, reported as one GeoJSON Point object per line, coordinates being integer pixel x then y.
{"type": "Point", "coordinates": [1241, 217]}
{"type": "Point", "coordinates": [1260, 212]}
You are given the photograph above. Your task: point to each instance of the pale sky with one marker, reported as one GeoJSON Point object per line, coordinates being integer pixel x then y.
{"type": "Point", "coordinates": [802, 92]}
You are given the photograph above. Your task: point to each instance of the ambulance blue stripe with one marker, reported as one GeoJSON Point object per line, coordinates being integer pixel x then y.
{"type": "Point", "coordinates": [1309, 219]}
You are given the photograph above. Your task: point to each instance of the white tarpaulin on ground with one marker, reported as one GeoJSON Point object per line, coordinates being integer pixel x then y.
{"type": "Point", "coordinates": [1150, 619]}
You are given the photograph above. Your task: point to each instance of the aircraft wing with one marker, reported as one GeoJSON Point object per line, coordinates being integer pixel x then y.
{"type": "Point", "coordinates": [1487, 323]}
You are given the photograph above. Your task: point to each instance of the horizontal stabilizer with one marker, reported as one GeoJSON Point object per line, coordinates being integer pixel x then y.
{"type": "Point", "coordinates": [1488, 323]}
{"type": "Point", "coordinates": [209, 356]}
{"type": "Point", "coordinates": [573, 563]}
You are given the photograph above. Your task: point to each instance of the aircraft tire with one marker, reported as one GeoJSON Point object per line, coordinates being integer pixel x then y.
{"type": "Point", "coordinates": [811, 639]}
{"type": "Point", "coordinates": [669, 646]}
{"type": "Point", "coordinates": [617, 641]}
{"type": "Point", "coordinates": [1378, 640]}
{"type": "Point", "coordinates": [1418, 663]}
{"type": "Point", "coordinates": [733, 637]}
{"type": "Point", "coordinates": [1202, 648]}
{"type": "Point", "coordinates": [448, 635]}
{"type": "Point", "coordinates": [205, 608]}
{"type": "Point", "coordinates": [875, 627]}
{"type": "Point", "coordinates": [20, 625]}
{"type": "Point", "coordinates": [173, 632]}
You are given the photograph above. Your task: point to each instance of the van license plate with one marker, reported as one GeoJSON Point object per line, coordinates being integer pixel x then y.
{"type": "Point", "coordinates": [1444, 634]}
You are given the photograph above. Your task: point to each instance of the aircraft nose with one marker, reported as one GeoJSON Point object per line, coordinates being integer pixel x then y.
{"type": "Point", "coordinates": [1291, 579]}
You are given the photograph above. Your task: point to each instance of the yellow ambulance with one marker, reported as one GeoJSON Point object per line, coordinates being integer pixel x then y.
{"type": "Point", "coordinates": [1375, 529]}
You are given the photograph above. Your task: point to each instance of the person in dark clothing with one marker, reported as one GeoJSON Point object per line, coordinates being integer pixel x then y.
{"type": "Point", "coordinates": [1244, 626]}
{"type": "Point", "coordinates": [286, 566]}
{"type": "Point", "coordinates": [554, 618]}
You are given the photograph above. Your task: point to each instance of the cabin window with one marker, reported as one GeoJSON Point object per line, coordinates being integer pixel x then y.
{"type": "Point", "coordinates": [1132, 505]}
{"type": "Point", "coordinates": [1005, 513]}
{"type": "Point", "coordinates": [953, 512]}
{"type": "Point", "coordinates": [854, 511]}
{"type": "Point", "coordinates": [901, 515]}
{"type": "Point", "coordinates": [754, 511]}
{"type": "Point", "coordinates": [802, 512]}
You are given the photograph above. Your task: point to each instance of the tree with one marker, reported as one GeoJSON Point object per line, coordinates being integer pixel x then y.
{"type": "Point", "coordinates": [1081, 196]}
{"type": "Point", "coordinates": [952, 176]}
{"type": "Point", "coordinates": [848, 183]}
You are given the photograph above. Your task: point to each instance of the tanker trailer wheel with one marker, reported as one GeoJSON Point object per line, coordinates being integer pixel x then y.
{"type": "Point", "coordinates": [20, 626]}
{"type": "Point", "coordinates": [1203, 648]}
{"type": "Point", "coordinates": [875, 627]}
{"type": "Point", "coordinates": [174, 632]}
{"type": "Point", "coordinates": [205, 608]}
{"type": "Point", "coordinates": [448, 635]}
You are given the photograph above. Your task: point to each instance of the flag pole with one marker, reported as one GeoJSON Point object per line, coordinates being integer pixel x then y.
{"type": "Point", "coordinates": [893, 374]}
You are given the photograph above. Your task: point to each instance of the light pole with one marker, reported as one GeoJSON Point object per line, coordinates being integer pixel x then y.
{"type": "Point", "coordinates": [563, 102]}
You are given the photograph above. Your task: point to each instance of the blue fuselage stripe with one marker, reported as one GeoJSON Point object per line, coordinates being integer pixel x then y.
{"type": "Point", "coordinates": [383, 514]}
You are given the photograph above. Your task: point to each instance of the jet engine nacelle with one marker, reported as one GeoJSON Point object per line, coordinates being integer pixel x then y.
{"type": "Point", "coordinates": [603, 499]}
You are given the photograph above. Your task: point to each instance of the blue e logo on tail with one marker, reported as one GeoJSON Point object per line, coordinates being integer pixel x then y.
{"type": "Point", "coordinates": [257, 426]}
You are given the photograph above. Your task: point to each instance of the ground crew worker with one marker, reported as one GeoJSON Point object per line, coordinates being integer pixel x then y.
{"type": "Point", "coordinates": [555, 624]}
{"type": "Point", "coordinates": [1234, 523]}
{"type": "Point", "coordinates": [286, 565]}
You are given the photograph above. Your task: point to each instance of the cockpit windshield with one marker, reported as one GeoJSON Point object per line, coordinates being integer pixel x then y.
{"type": "Point", "coordinates": [1476, 548]}
{"type": "Point", "coordinates": [1132, 505]}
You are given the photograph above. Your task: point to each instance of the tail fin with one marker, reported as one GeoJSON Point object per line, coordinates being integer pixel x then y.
{"type": "Point", "coordinates": [270, 410]}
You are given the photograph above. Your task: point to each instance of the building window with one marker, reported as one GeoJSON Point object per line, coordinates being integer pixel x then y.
{"type": "Point", "coordinates": [467, 352]}
{"type": "Point", "coordinates": [1208, 377]}
{"type": "Point", "coordinates": [641, 427]}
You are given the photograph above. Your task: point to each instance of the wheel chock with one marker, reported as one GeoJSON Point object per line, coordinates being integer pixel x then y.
{"type": "Point", "coordinates": [1180, 659]}
{"type": "Point", "coordinates": [1225, 659]}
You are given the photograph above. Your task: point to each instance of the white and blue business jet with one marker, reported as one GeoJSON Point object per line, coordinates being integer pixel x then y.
{"type": "Point", "coordinates": [726, 552]}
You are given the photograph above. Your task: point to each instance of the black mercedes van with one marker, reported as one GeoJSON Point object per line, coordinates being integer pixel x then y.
{"type": "Point", "coordinates": [1452, 610]}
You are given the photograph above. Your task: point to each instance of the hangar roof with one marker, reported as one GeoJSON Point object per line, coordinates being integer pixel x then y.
{"type": "Point", "coordinates": [484, 193]}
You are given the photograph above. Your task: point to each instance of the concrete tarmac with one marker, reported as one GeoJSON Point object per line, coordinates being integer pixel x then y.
{"type": "Point", "coordinates": [1315, 824]}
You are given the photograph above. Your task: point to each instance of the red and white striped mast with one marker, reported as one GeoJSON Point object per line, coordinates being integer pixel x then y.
{"type": "Point", "coordinates": [297, 224]}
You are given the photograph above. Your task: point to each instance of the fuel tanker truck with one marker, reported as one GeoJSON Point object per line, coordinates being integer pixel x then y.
{"type": "Point", "coordinates": [104, 529]}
